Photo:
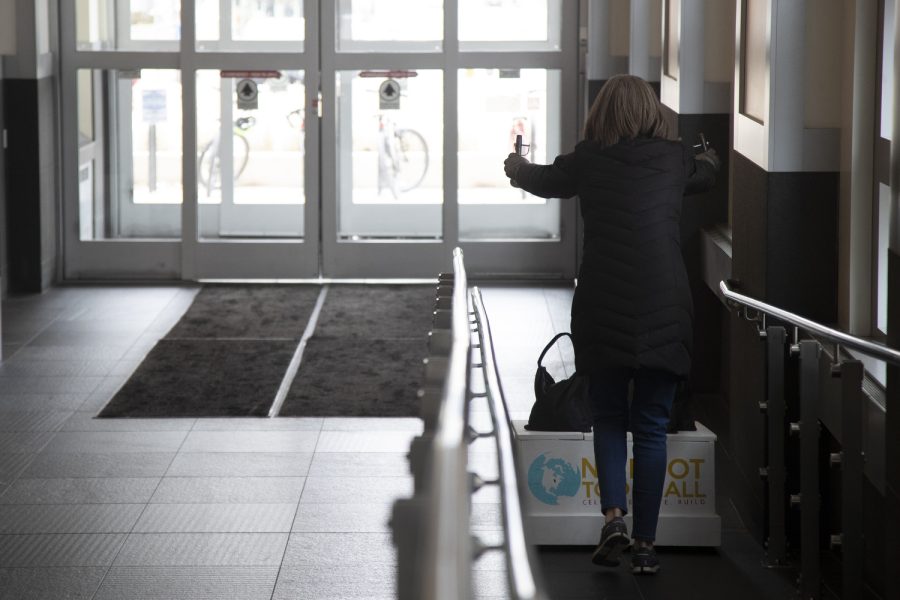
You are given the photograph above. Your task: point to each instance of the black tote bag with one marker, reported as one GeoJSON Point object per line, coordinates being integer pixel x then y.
{"type": "Point", "coordinates": [559, 405]}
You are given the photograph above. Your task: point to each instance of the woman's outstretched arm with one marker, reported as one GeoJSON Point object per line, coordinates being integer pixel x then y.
{"type": "Point", "coordinates": [547, 181]}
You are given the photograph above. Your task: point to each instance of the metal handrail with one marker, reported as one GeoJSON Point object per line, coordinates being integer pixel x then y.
{"type": "Point", "coordinates": [872, 349]}
{"type": "Point", "coordinates": [449, 554]}
{"type": "Point", "coordinates": [524, 580]}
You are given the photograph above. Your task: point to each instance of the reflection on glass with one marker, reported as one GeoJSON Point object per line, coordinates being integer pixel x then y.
{"type": "Point", "coordinates": [401, 25]}
{"type": "Point", "coordinates": [535, 24]}
{"type": "Point", "coordinates": [755, 67]}
{"type": "Point", "coordinates": [85, 106]}
{"type": "Point", "coordinates": [117, 25]}
{"type": "Point", "coordinates": [884, 220]}
{"type": "Point", "coordinates": [155, 148]}
{"type": "Point", "coordinates": [221, 23]}
{"type": "Point", "coordinates": [130, 183]}
{"type": "Point", "coordinates": [673, 37]}
{"type": "Point", "coordinates": [390, 150]}
{"type": "Point", "coordinates": [155, 20]}
{"type": "Point", "coordinates": [887, 70]}
{"type": "Point", "coordinates": [495, 105]}
{"type": "Point", "coordinates": [250, 160]}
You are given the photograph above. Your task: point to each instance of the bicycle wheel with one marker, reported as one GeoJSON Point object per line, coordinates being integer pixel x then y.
{"type": "Point", "coordinates": [241, 153]}
{"type": "Point", "coordinates": [208, 167]}
{"type": "Point", "coordinates": [413, 160]}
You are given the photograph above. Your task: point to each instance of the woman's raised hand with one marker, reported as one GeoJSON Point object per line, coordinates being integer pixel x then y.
{"type": "Point", "coordinates": [712, 157]}
{"type": "Point", "coordinates": [512, 163]}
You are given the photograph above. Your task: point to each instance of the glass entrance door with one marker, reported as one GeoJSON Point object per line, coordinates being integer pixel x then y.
{"type": "Point", "coordinates": [196, 137]}
{"type": "Point", "coordinates": [427, 98]}
{"type": "Point", "coordinates": [191, 138]}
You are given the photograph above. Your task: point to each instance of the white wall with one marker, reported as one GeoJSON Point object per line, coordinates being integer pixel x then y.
{"type": "Point", "coordinates": [7, 26]}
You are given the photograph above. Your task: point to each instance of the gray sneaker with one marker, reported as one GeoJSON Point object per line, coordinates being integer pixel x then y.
{"type": "Point", "coordinates": [613, 539]}
{"type": "Point", "coordinates": [644, 559]}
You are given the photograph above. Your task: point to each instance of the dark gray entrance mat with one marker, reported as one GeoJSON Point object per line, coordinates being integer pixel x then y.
{"type": "Point", "coordinates": [226, 356]}
{"type": "Point", "coordinates": [204, 378]}
{"type": "Point", "coordinates": [361, 378]}
{"type": "Point", "coordinates": [365, 358]}
{"type": "Point", "coordinates": [248, 311]}
{"type": "Point", "coordinates": [377, 312]}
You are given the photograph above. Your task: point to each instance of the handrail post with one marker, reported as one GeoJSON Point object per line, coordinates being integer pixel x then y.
{"type": "Point", "coordinates": [810, 374]}
{"type": "Point", "coordinates": [776, 548]}
{"type": "Point", "coordinates": [852, 547]}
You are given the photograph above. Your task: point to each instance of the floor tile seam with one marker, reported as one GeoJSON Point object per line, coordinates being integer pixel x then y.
{"type": "Point", "coordinates": [229, 339]}
{"type": "Point", "coordinates": [359, 338]}
{"type": "Point", "coordinates": [33, 455]}
{"type": "Point", "coordinates": [293, 368]}
{"type": "Point", "coordinates": [139, 517]}
{"type": "Point", "coordinates": [34, 337]}
{"type": "Point", "coordinates": [3, 505]}
{"type": "Point", "coordinates": [163, 310]}
{"type": "Point", "coordinates": [288, 542]}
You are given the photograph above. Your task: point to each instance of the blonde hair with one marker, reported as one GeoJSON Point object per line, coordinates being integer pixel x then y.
{"type": "Point", "coordinates": [626, 108]}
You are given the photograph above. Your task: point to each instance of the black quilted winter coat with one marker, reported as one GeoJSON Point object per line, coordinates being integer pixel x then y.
{"type": "Point", "coordinates": [632, 307]}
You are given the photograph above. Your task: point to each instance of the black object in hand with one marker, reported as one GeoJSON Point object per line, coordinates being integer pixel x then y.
{"type": "Point", "coordinates": [703, 146]}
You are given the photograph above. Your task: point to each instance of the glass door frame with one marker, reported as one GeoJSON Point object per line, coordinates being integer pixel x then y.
{"type": "Point", "coordinates": [188, 258]}
{"type": "Point", "coordinates": [319, 253]}
{"type": "Point", "coordinates": [548, 259]}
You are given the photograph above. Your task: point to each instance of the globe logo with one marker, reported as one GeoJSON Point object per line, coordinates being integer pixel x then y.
{"type": "Point", "coordinates": [549, 478]}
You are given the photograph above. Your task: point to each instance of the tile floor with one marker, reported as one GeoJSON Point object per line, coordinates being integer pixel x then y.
{"type": "Point", "coordinates": [235, 508]}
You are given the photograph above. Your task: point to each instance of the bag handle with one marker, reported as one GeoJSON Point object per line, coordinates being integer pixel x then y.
{"type": "Point", "coordinates": [550, 345]}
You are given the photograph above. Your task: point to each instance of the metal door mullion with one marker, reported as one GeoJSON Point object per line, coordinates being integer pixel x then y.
{"type": "Point", "coordinates": [312, 142]}
{"type": "Point", "coordinates": [252, 61]}
{"type": "Point", "coordinates": [450, 214]}
{"type": "Point", "coordinates": [69, 133]}
{"type": "Point", "coordinates": [226, 148]}
{"type": "Point", "coordinates": [124, 60]}
{"type": "Point", "coordinates": [518, 60]}
{"type": "Point", "coordinates": [189, 209]}
{"type": "Point", "coordinates": [225, 21]}
{"type": "Point", "coordinates": [381, 60]}
{"type": "Point", "coordinates": [327, 147]}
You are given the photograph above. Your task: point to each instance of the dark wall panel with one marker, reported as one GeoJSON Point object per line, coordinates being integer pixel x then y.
{"type": "Point", "coordinates": [32, 206]}
{"type": "Point", "coordinates": [23, 186]}
{"type": "Point", "coordinates": [785, 236]}
{"type": "Point", "coordinates": [892, 435]}
{"type": "Point", "coordinates": [746, 368]}
{"type": "Point", "coordinates": [700, 211]}
{"type": "Point", "coordinates": [4, 237]}
{"type": "Point", "coordinates": [802, 244]}
{"type": "Point", "coordinates": [751, 189]}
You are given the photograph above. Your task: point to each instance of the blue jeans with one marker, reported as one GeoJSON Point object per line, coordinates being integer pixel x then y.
{"type": "Point", "coordinates": [648, 417]}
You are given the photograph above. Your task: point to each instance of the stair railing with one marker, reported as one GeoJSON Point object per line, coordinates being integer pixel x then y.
{"type": "Point", "coordinates": [816, 367]}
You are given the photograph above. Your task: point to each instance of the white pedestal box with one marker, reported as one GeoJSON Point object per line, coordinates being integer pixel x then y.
{"type": "Point", "coordinates": [562, 501]}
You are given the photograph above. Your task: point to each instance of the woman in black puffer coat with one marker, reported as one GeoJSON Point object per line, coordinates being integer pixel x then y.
{"type": "Point", "coordinates": [632, 311]}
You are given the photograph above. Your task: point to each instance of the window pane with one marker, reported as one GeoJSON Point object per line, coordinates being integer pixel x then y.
{"type": "Point", "coordinates": [510, 24]}
{"type": "Point", "coordinates": [132, 187]}
{"type": "Point", "coordinates": [234, 25]}
{"type": "Point", "coordinates": [127, 25]}
{"type": "Point", "coordinates": [494, 106]}
{"type": "Point", "coordinates": [397, 26]}
{"type": "Point", "coordinates": [390, 154]}
{"type": "Point", "coordinates": [250, 160]}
